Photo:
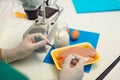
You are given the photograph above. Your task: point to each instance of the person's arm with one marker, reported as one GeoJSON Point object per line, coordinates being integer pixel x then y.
{"type": "Point", "coordinates": [0, 54]}
{"type": "Point", "coordinates": [72, 68]}
{"type": "Point", "coordinates": [24, 49]}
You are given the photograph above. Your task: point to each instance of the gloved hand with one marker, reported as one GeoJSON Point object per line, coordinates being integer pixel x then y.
{"type": "Point", "coordinates": [31, 4]}
{"type": "Point", "coordinates": [72, 70]}
{"type": "Point", "coordinates": [25, 48]}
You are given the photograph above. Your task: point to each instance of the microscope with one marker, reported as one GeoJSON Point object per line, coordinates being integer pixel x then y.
{"type": "Point", "coordinates": [46, 22]}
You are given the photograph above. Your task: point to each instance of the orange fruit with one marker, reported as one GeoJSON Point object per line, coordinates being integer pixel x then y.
{"type": "Point", "coordinates": [75, 34]}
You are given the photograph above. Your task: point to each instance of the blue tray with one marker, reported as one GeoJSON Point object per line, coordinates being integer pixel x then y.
{"type": "Point", "coordinates": [85, 36]}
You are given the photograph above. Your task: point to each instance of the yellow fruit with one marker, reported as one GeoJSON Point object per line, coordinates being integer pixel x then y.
{"type": "Point", "coordinates": [75, 34]}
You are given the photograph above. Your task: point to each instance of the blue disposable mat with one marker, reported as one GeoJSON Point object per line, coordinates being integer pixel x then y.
{"type": "Point", "coordinates": [85, 36]}
{"type": "Point", "coordinates": [87, 6]}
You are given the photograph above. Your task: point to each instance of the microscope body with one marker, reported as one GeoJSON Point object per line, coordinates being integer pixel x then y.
{"type": "Point", "coordinates": [46, 23]}
{"type": "Point", "coordinates": [47, 29]}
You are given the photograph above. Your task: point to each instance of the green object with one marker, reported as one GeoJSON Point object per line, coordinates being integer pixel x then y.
{"type": "Point", "coordinates": [7, 72]}
{"type": "Point", "coordinates": [37, 39]}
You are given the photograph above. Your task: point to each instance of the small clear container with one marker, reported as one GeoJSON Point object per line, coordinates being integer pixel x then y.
{"type": "Point", "coordinates": [61, 37]}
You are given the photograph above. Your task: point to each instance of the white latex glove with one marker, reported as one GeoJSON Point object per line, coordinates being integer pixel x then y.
{"type": "Point", "coordinates": [31, 4]}
{"type": "Point", "coordinates": [71, 70]}
{"type": "Point", "coordinates": [24, 49]}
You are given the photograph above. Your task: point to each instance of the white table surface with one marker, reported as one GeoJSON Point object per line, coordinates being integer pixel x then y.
{"type": "Point", "coordinates": [105, 23]}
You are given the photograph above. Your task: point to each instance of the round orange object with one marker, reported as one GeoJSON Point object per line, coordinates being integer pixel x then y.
{"type": "Point", "coordinates": [75, 34]}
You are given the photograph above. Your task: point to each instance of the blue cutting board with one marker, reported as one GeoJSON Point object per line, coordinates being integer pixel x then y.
{"type": "Point", "coordinates": [85, 36]}
{"type": "Point", "coordinates": [87, 6]}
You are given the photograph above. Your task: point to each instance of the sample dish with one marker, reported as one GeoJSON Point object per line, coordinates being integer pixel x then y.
{"type": "Point", "coordinates": [83, 49]}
